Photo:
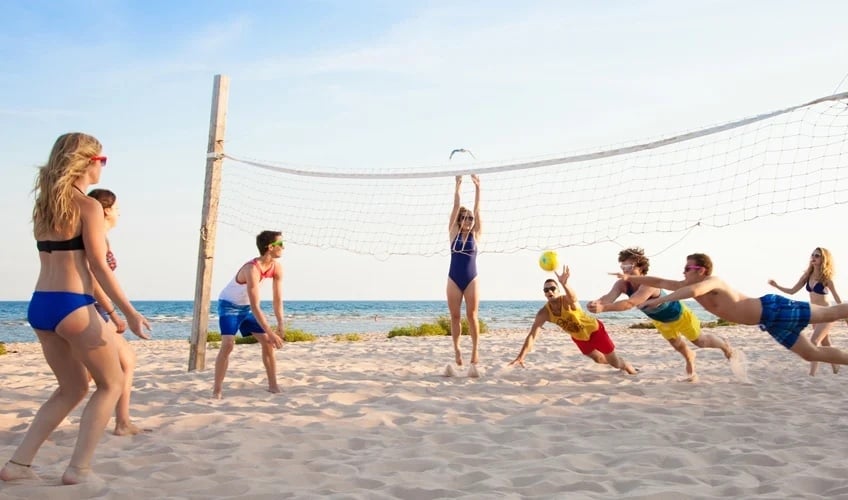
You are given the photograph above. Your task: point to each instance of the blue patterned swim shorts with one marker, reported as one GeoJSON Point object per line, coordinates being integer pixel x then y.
{"type": "Point", "coordinates": [784, 318]}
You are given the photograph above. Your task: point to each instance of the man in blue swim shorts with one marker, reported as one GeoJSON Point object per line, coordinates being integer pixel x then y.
{"type": "Point", "coordinates": [782, 318]}
{"type": "Point", "coordinates": [673, 320]}
{"type": "Point", "coordinates": [239, 310]}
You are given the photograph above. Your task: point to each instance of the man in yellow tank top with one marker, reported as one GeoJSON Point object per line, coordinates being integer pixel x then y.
{"type": "Point", "coordinates": [586, 331]}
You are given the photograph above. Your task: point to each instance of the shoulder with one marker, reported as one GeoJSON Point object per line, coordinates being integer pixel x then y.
{"type": "Point", "coordinates": [89, 206]}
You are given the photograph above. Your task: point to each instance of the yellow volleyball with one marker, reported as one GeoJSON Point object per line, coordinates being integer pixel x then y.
{"type": "Point", "coordinates": [548, 261]}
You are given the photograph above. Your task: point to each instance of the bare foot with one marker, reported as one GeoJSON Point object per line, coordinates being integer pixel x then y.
{"type": "Point", "coordinates": [727, 350]}
{"type": "Point", "coordinates": [458, 355]}
{"type": "Point", "coordinates": [628, 368]}
{"type": "Point", "coordinates": [217, 395]}
{"type": "Point", "coordinates": [692, 377]}
{"type": "Point", "coordinates": [14, 472]}
{"type": "Point", "coordinates": [128, 429]}
{"type": "Point", "coordinates": [76, 475]}
{"type": "Point", "coordinates": [274, 390]}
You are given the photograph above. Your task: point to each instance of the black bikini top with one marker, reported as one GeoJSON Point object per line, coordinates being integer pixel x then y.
{"type": "Point", "coordinates": [61, 246]}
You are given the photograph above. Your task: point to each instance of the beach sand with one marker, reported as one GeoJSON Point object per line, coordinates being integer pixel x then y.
{"type": "Point", "coordinates": [377, 419]}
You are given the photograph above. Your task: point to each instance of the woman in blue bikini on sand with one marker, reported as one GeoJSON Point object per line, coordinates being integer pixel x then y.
{"type": "Point", "coordinates": [817, 279]}
{"type": "Point", "coordinates": [70, 236]}
{"type": "Point", "coordinates": [464, 233]}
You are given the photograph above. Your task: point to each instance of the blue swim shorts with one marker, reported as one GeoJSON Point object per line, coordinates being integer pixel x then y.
{"type": "Point", "coordinates": [234, 318]}
{"type": "Point", "coordinates": [784, 318]}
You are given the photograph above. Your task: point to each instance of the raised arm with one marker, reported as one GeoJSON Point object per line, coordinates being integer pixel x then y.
{"type": "Point", "coordinates": [452, 227]}
{"type": "Point", "coordinates": [568, 292]}
{"type": "Point", "coordinates": [478, 226]}
{"type": "Point", "coordinates": [541, 317]}
{"type": "Point", "coordinates": [801, 281]}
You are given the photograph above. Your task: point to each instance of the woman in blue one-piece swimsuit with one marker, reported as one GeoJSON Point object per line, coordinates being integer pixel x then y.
{"type": "Point", "coordinates": [464, 232]}
{"type": "Point", "coordinates": [817, 279]}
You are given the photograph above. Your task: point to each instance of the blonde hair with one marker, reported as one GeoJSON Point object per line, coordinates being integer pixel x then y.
{"type": "Point", "coordinates": [54, 186]}
{"type": "Point", "coordinates": [827, 270]}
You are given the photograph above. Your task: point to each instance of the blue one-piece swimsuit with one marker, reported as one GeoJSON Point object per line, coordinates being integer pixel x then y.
{"type": "Point", "coordinates": [463, 264]}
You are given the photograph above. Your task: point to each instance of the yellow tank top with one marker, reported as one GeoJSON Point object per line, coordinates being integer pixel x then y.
{"type": "Point", "coordinates": [576, 322]}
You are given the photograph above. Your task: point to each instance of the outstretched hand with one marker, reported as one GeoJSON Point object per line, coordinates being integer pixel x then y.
{"type": "Point", "coordinates": [458, 180]}
{"type": "Point", "coordinates": [563, 278]}
{"type": "Point", "coordinates": [595, 306]}
{"type": "Point", "coordinates": [772, 283]}
{"type": "Point", "coordinates": [475, 179]}
{"type": "Point", "coordinates": [138, 324]}
{"type": "Point", "coordinates": [619, 275]}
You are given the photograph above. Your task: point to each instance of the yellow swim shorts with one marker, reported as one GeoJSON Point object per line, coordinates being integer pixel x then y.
{"type": "Point", "coordinates": [687, 324]}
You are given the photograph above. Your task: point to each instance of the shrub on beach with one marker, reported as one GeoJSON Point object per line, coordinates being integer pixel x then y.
{"type": "Point", "coordinates": [291, 336]}
{"type": "Point", "coordinates": [444, 322]}
{"type": "Point", "coordinates": [2, 348]}
{"type": "Point", "coordinates": [347, 337]}
{"type": "Point", "coordinates": [295, 335]}
{"type": "Point", "coordinates": [709, 324]}
{"type": "Point", "coordinates": [717, 323]}
{"type": "Point", "coordinates": [440, 327]}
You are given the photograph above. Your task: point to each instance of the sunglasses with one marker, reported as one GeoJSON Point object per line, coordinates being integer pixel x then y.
{"type": "Point", "coordinates": [689, 268]}
{"type": "Point", "coordinates": [626, 267]}
{"type": "Point", "coordinates": [278, 243]}
{"type": "Point", "coordinates": [467, 217]}
{"type": "Point", "coordinates": [101, 159]}
{"type": "Point", "coordinates": [549, 289]}
{"type": "Point", "coordinates": [816, 255]}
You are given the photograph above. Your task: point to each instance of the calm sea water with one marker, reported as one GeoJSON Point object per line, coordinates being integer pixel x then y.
{"type": "Point", "coordinates": [172, 319]}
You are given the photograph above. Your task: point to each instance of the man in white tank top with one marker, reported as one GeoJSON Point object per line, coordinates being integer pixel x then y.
{"type": "Point", "coordinates": [239, 310]}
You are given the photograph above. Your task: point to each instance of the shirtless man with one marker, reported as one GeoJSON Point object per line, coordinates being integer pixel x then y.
{"type": "Point", "coordinates": [587, 332]}
{"type": "Point", "coordinates": [782, 318]}
{"type": "Point", "coordinates": [672, 319]}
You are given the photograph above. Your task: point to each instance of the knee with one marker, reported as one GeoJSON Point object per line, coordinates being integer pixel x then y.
{"type": "Point", "coordinates": [226, 347]}
{"type": "Point", "coordinates": [807, 355]}
{"type": "Point", "coordinates": [597, 357]}
{"type": "Point", "coordinates": [455, 316]}
{"type": "Point", "coordinates": [75, 393]}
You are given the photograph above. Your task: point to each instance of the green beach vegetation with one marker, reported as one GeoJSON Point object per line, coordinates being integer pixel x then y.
{"type": "Point", "coordinates": [440, 327]}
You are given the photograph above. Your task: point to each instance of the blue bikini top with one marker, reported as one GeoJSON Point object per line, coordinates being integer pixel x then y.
{"type": "Point", "coordinates": [819, 288]}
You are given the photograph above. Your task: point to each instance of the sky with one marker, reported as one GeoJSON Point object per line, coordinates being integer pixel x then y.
{"type": "Point", "coordinates": [350, 84]}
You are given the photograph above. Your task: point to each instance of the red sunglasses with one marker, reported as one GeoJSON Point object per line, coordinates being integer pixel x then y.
{"type": "Point", "coordinates": [101, 159]}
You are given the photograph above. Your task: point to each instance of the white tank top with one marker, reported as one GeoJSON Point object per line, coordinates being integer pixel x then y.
{"type": "Point", "coordinates": [236, 292]}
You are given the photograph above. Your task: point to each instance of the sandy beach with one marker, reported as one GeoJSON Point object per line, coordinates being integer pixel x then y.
{"type": "Point", "coordinates": [377, 419]}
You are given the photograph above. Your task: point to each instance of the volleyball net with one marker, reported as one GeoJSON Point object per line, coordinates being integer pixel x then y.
{"type": "Point", "coordinates": [784, 161]}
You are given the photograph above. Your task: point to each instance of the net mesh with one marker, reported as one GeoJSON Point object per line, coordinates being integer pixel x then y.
{"type": "Point", "coordinates": [784, 161]}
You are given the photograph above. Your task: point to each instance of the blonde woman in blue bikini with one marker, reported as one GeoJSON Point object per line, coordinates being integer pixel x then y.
{"type": "Point", "coordinates": [818, 280]}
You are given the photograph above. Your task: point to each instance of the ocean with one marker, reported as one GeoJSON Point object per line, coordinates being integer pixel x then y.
{"type": "Point", "coordinates": [171, 319]}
